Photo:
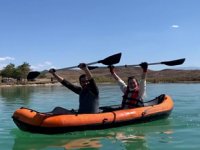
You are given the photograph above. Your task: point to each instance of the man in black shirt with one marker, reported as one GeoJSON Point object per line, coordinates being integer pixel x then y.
{"type": "Point", "coordinates": [88, 92]}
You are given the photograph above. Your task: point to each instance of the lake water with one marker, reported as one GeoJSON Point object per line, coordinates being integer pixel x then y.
{"type": "Point", "coordinates": [181, 130]}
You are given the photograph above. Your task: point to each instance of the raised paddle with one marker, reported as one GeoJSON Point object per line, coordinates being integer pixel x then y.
{"type": "Point", "coordinates": [111, 60]}
{"type": "Point", "coordinates": [32, 75]}
{"type": "Point", "coordinates": [168, 63]}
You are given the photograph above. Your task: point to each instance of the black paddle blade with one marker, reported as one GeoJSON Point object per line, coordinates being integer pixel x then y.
{"type": "Point", "coordinates": [174, 62]}
{"type": "Point", "coordinates": [32, 75]}
{"type": "Point", "coordinates": [114, 59]}
{"type": "Point", "coordinates": [92, 67]}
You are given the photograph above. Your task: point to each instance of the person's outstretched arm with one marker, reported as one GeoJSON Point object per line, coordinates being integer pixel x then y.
{"type": "Point", "coordinates": [142, 91]}
{"type": "Point", "coordinates": [53, 72]}
{"type": "Point", "coordinates": [113, 73]}
{"type": "Point", "coordinates": [84, 67]}
{"type": "Point", "coordinates": [74, 88]}
{"type": "Point", "coordinates": [121, 83]}
{"type": "Point", "coordinates": [90, 78]}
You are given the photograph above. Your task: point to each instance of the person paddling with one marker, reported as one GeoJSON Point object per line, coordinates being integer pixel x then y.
{"type": "Point", "coordinates": [88, 92]}
{"type": "Point", "coordinates": [133, 92]}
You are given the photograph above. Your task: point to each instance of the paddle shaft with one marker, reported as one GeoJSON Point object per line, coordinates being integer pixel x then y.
{"type": "Point", "coordinates": [92, 63]}
{"type": "Point", "coordinates": [113, 59]}
{"type": "Point", "coordinates": [168, 63]}
{"type": "Point", "coordinates": [158, 63]}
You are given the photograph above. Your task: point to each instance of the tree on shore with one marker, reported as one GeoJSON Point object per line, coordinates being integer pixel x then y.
{"type": "Point", "coordinates": [23, 70]}
{"type": "Point", "coordinates": [19, 73]}
{"type": "Point", "coordinates": [8, 71]}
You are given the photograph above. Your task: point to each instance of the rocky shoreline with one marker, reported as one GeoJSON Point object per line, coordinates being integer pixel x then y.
{"type": "Point", "coordinates": [102, 76]}
{"type": "Point", "coordinates": [103, 83]}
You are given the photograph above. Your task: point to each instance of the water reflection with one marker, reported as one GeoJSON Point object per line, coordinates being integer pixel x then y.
{"type": "Point", "coordinates": [127, 137]}
{"type": "Point", "coordinates": [83, 143]}
{"type": "Point", "coordinates": [10, 94]}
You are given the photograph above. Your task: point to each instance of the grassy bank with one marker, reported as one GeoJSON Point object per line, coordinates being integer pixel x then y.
{"type": "Point", "coordinates": [102, 75]}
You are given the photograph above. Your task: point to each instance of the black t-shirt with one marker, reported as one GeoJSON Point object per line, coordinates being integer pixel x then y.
{"type": "Point", "coordinates": [88, 96]}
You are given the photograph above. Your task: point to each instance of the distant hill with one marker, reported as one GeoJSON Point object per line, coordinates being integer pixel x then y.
{"type": "Point", "coordinates": [188, 68]}
{"type": "Point", "coordinates": [166, 75]}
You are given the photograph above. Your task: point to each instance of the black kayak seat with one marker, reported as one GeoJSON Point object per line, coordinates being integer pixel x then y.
{"type": "Point", "coordinates": [155, 101]}
{"type": "Point", "coordinates": [152, 102]}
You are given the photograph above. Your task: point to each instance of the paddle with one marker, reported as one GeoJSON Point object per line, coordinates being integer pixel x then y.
{"type": "Point", "coordinates": [114, 59]}
{"type": "Point", "coordinates": [111, 60]}
{"type": "Point", "coordinates": [32, 75]}
{"type": "Point", "coordinates": [168, 63]}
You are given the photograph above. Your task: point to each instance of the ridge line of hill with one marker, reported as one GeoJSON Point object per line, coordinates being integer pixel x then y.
{"type": "Point", "coordinates": [102, 74]}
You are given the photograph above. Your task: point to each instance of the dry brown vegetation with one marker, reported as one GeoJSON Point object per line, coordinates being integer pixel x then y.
{"type": "Point", "coordinates": [103, 75]}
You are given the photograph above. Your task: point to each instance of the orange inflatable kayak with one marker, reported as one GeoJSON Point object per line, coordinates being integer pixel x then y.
{"type": "Point", "coordinates": [109, 116]}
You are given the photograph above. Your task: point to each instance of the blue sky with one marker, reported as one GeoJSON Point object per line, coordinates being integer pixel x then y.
{"type": "Point", "coordinates": [63, 33]}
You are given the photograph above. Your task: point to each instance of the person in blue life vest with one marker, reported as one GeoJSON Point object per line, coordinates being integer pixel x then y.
{"type": "Point", "coordinates": [135, 91]}
{"type": "Point", "coordinates": [88, 92]}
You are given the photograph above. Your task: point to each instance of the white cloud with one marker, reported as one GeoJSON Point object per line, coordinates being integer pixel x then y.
{"type": "Point", "coordinates": [43, 66]}
{"type": "Point", "coordinates": [175, 26]}
{"type": "Point", "coordinates": [2, 66]}
{"type": "Point", "coordinates": [47, 63]}
{"type": "Point", "coordinates": [6, 58]}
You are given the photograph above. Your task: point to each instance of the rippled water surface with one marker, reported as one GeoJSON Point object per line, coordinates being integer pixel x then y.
{"type": "Point", "coordinates": [181, 130]}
